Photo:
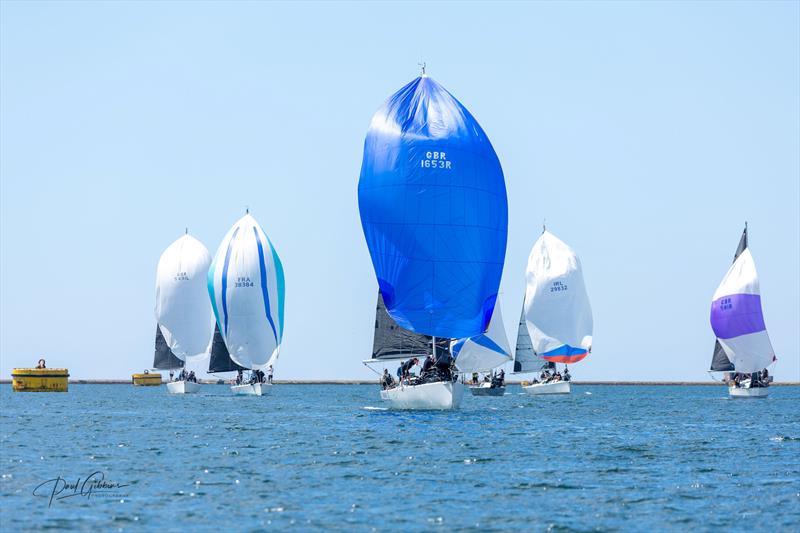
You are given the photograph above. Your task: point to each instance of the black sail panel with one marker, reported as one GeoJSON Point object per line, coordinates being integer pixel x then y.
{"type": "Point", "coordinates": [395, 342]}
{"type": "Point", "coordinates": [220, 360]}
{"type": "Point", "coordinates": [164, 359]}
{"type": "Point", "coordinates": [742, 244]}
{"type": "Point", "coordinates": [720, 361]}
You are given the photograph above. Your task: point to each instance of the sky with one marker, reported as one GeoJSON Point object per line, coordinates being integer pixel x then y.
{"type": "Point", "coordinates": [646, 134]}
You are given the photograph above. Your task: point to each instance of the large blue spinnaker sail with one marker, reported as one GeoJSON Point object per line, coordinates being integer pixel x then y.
{"type": "Point", "coordinates": [434, 212]}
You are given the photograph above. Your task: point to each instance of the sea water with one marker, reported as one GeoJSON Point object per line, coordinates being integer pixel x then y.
{"type": "Point", "coordinates": [312, 457]}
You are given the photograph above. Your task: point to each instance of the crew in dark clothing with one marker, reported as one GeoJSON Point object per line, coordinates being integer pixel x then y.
{"type": "Point", "coordinates": [427, 364]}
{"type": "Point", "coordinates": [405, 368]}
{"type": "Point", "coordinates": [239, 377]}
{"type": "Point", "coordinates": [566, 374]}
{"type": "Point", "coordinates": [386, 380]}
{"type": "Point", "coordinates": [443, 363]}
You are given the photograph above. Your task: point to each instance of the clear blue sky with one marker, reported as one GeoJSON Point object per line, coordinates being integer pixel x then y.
{"type": "Point", "coordinates": [645, 133]}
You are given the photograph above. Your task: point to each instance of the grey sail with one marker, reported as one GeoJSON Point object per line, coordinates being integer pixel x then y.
{"type": "Point", "coordinates": [394, 342]}
{"type": "Point", "coordinates": [525, 359]}
{"type": "Point", "coordinates": [720, 361]}
{"type": "Point", "coordinates": [220, 360]}
{"type": "Point", "coordinates": [164, 359]}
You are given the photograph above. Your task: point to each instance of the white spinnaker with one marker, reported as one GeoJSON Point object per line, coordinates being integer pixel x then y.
{"type": "Point", "coordinates": [487, 351]}
{"type": "Point", "coordinates": [246, 278]}
{"type": "Point", "coordinates": [557, 308]}
{"type": "Point", "coordinates": [182, 309]}
{"type": "Point", "coordinates": [750, 352]}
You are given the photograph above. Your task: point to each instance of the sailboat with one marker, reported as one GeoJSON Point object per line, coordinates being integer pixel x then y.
{"type": "Point", "coordinates": [434, 211]}
{"type": "Point", "coordinates": [247, 289]}
{"type": "Point", "coordinates": [484, 353]}
{"type": "Point", "coordinates": [742, 347]}
{"type": "Point", "coordinates": [556, 321]}
{"type": "Point", "coordinates": [184, 317]}
{"type": "Point", "coordinates": [392, 342]}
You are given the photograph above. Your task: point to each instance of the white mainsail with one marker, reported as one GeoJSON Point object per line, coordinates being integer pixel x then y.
{"type": "Point", "coordinates": [737, 318]}
{"type": "Point", "coordinates": [486, 351]}
{"type": "Point", "coordinates": [182, 310]}
{"type": "Point", "coordinates": [247, 290]}
{"type": "Point", "coordinates": [557, 311]}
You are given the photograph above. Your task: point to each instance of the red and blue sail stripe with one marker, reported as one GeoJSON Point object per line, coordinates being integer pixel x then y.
{"type": "Point", "coordinates": [565, 354]}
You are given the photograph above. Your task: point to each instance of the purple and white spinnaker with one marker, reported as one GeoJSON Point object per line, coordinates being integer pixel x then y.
{"type": "Point", "coordinates": [737, 318]}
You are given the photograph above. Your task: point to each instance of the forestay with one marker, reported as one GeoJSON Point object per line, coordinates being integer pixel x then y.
{"type": "Point", "coordinates": [246, 285]}
{"type": "Point", "coordinates": [485, 351]}
{"type": "Point", "coordinates": [182, 308]}
{"type": "Point", "coordinates": [557, 309]}
{"type": "Point", "coordinates": [434, 212]}
{"type": "Point", "coordinates": [737, 318]}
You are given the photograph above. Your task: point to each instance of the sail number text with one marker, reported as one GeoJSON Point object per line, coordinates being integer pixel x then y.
{"type": "Point", "coordinates": [243, 282]}
{"type": "Point", "coordinates": [435, 160]}
{"type": "Point", "coordinates": [725, 304]}
{"type": "Point", "coordinates": [558, 286]}
{"type": "Point", "coordinates": [182, 276]}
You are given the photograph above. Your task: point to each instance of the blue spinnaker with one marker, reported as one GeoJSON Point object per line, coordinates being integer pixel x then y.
{"type": "Point", "coordinates": [434, 212]}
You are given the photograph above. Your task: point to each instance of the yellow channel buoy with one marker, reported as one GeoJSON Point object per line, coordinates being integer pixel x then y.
{"type": "Point", "coordinates": [40, 379]}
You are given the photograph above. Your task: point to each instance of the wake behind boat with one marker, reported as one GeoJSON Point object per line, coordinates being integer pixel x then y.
{"type": "Point", "coordinates": [743, 350]}
{"type": "Point", "coordinates": [555, 325]}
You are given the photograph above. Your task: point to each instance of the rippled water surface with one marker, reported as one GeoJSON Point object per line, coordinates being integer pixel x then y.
{"type": "Point", "coordinates": [312, 457]}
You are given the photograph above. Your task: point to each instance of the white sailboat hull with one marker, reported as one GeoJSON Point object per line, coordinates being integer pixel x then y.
{"type": "Point", "coordinates": [251, 389]}
{"type": "Point", "coordinates": [558, 387]}
{"type": "Point", "coordinates": [485, 389]}
{"type": "Point", "coordinates": [182, 387]}
{"type": "Point", "coordinates": [741, 392]}
{"type": "Point", "coordinates": [441, 395]}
